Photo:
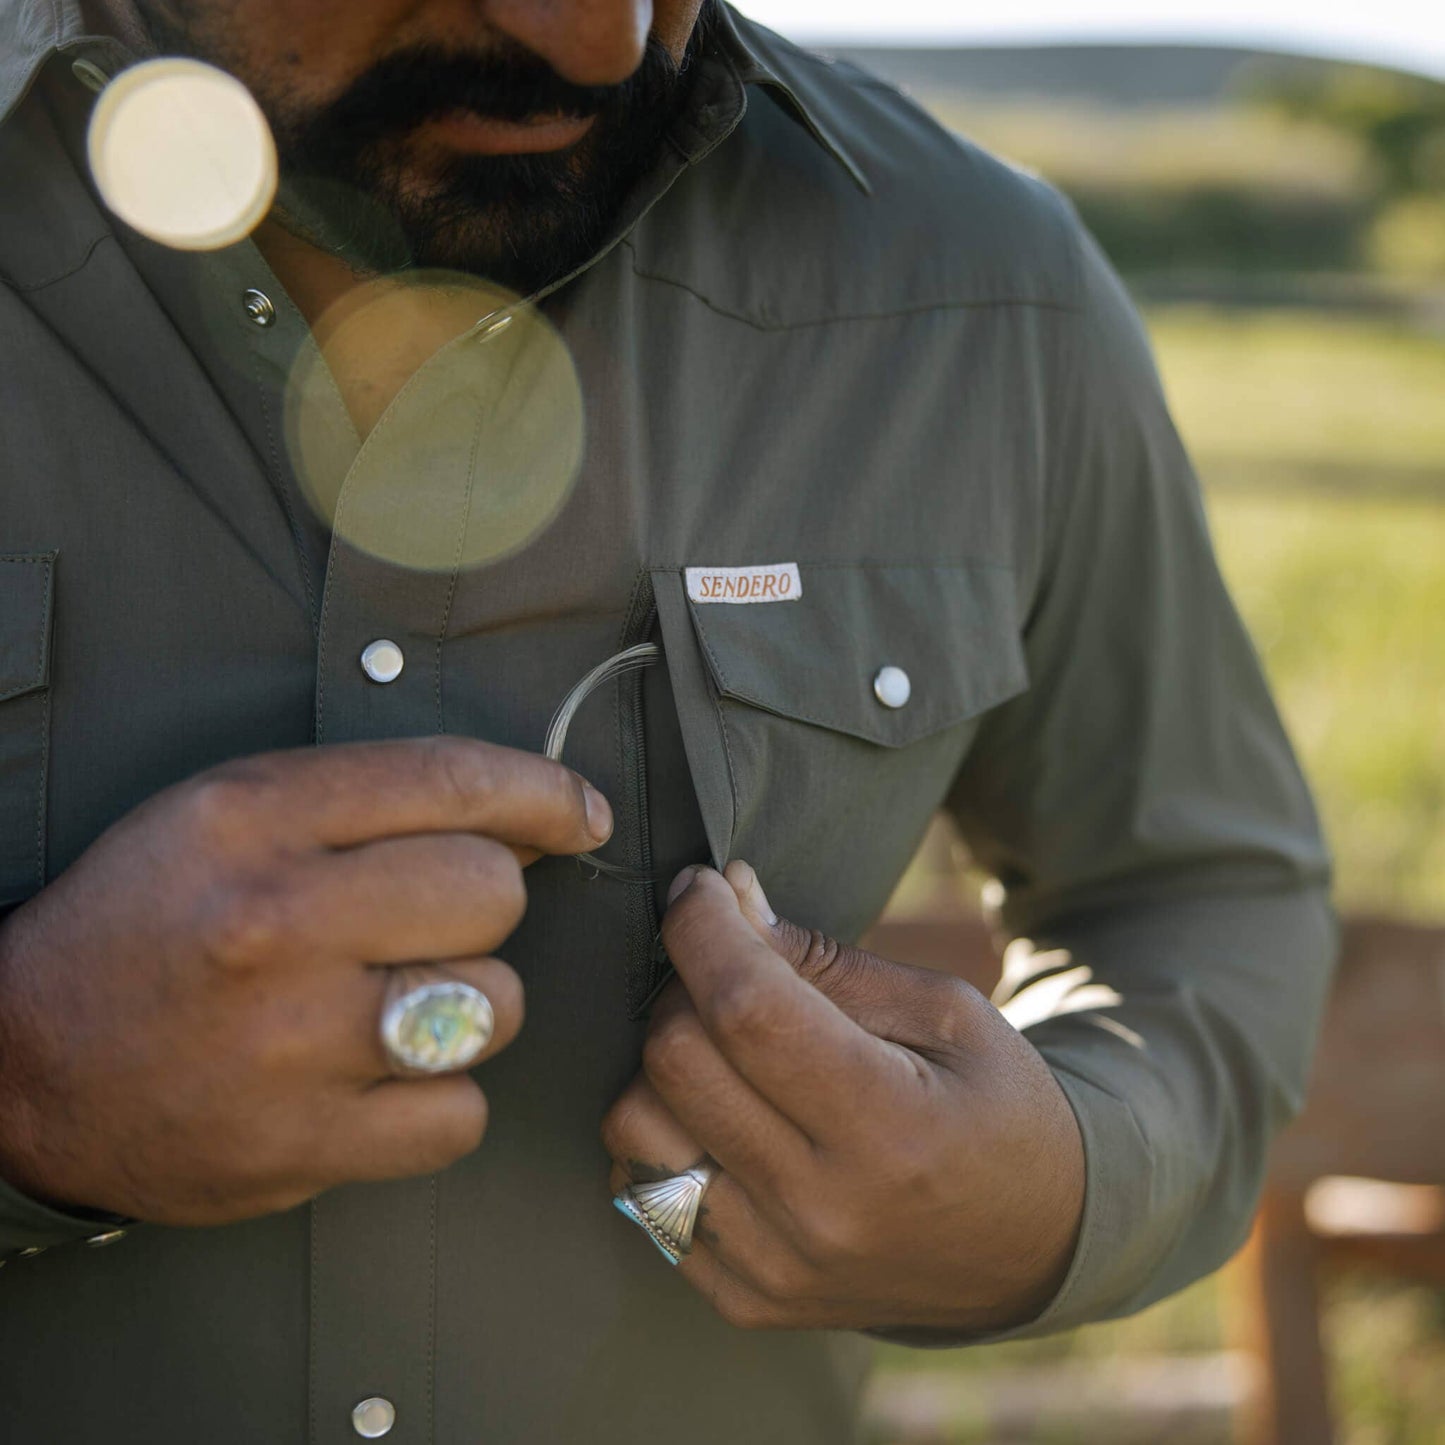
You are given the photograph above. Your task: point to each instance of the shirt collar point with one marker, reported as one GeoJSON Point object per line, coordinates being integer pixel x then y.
{"type": "Point", "coordinates": [750, 48]}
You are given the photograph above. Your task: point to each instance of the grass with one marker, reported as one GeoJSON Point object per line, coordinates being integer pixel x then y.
{"type": "Point", "coordinates": [1343, 588]}
{"type": "Point", "coordinates": [1345, 598]}
{"type": "Point", "coordinates": [1389, 1346]}
{"type": "Point", "coordinates": [1289, 390]}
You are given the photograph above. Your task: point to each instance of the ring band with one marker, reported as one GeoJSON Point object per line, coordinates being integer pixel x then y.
{"type": "Point", "coordinates": [666, 1210]}
{"type": "Point", "coordinates": [436, 1028]}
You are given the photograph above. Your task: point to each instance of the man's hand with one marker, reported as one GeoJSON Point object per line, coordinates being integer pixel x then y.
{"type": "Point", "coordinates": [189, 1015]}
{"type": "Point", "coordinates": [895, 1154]}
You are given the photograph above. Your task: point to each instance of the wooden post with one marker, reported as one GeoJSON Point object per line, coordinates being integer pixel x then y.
{"type": "Point", "coordinates": [1273, 1314]}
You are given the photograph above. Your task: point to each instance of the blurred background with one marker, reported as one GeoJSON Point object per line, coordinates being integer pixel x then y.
{"type": "Point", "coordinates": [1270, 180]}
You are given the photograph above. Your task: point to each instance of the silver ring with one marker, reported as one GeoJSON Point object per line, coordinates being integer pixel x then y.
{"type": "Point", "coordinates": [666, 1211]}
{"type": "Point", "coordinates": [436, 1028]}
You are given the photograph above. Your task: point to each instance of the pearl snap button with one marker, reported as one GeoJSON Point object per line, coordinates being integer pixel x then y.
{"type": "Point", "coordinates": [892, 687]}
{"type": "Point", "coordinates": [381, 660]}
{"type": "Point", "coordinates": [373, 1418]}
{"type": "Point", "coordinates": [109, 1236]}
{"type": "Point", "coordinates": [89, 74]}
{"type": "Point", "coordinates": [259, 307]}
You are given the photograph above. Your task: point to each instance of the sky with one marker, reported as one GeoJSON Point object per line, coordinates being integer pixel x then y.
{"type": "Point", "coordinates": [1408, 33]}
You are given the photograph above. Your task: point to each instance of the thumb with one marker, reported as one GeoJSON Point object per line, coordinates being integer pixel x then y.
{"type": "Point", "coordinates": [916, 1007]}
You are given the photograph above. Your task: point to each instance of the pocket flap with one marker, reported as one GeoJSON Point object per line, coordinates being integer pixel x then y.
{"type": "Point", "coordinates": [952, 629]}
{"type": "Point", "coordinates": [25, 592]}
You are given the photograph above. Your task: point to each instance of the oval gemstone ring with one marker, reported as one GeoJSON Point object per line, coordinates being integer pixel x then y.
{"type": "Point", "coordinates": [436, 1028]}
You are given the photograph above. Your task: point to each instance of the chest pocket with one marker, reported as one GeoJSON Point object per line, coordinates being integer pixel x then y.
{"type": "Point", "coordinates": [26, 584]}
{"type": "Point", "coordinates": [823, 733]}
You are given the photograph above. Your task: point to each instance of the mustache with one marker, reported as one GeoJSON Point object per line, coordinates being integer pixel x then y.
{"type": "Point", "coordinates": [424, 83]}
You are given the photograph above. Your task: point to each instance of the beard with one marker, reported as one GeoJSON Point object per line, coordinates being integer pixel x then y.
{"type": "Point", "coordinates": [359, 182]}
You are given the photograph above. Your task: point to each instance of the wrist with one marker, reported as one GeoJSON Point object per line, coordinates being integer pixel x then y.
{"type": "Point", "coordinates": [22, 1132]}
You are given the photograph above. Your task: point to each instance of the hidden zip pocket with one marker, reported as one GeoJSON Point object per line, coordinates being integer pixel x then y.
{"type": "Point", "coordinates": [647, 965]}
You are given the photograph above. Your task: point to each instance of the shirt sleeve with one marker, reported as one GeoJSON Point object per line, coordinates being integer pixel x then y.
{"type": "Point", "coordinates": [1158, 860]}
{"type": "Point", "coordinates": [26, 1224]}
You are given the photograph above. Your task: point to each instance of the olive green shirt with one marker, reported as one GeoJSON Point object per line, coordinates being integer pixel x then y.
{"type": "Point", "coordinates": [824, 333]}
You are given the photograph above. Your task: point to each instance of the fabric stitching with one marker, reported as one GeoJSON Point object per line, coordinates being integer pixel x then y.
{"type": "Point", "coordinates": [457, 561]}
{"type": "Point", "coordinates": [718, 712]}
{"type": "Point", "coordinates": [326, 590]}
{"type": "Point", "coordinates": [333, 565]}
{"type": "Point", "coordinates": [42, 636]}
{"type": "Point", "coordinates": [833, 726]}
{"type": "Point", "coordinates": [722, 723]}
{"type": "Point", "coordinates": [641, 902]}
{"type": "Point", "coordinates": [633, 911]}
{"type": "Point", "coordinates": [297, 537]}
{"type": "Point", "coordinates": [431, 1344]}
{"type": "Point", "coordinates": [42, 643]}
{"type": "Point", "coordinates": [314, 1260]}
{"type": "Point", "coordinates": [629, 616]}
{"type": "Point", "coordinates": [43, 789]}
{"type": "Point", "coordinates": [1069, 361]}
{"type": "Point", "coordinates": [898, 313]}
{"type": "Point", "coordinates": [30, 288]}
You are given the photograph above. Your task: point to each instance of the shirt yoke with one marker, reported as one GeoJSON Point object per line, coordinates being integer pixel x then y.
{"type": "Point", "coordinates": [770, 230]}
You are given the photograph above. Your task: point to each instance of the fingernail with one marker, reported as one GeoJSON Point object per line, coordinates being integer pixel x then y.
{"type": "Point", "coordinates": [756, 899]}
{"type": "Point", "coordinates": [599, 814]}
{"type": "Point", "coordinates": [682, 883]}
{"type": "Point", "coordinates": [759, 901]}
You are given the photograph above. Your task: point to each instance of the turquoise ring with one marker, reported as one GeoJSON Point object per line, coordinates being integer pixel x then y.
{"type": "Point", "coordinates": [666, 1210]}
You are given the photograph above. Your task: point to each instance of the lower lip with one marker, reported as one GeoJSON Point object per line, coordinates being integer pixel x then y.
{"type": "Point", "coordinates": [467, 132]}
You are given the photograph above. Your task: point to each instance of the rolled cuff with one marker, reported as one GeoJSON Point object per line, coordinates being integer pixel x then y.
{"type": "Point", "coordinates": [25, 1223]}
{"type": "Point", "coordinates": [1121, 1236]}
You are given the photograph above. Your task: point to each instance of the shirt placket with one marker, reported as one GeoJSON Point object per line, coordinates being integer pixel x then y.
{"type": "Point", "coordinates": [379, 660]}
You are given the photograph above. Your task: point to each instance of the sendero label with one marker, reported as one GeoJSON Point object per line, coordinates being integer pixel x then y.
{"type": "Point", "coordinates": [779, 582]}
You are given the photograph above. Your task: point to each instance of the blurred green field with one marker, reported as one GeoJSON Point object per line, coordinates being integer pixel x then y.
{"type": "Point", "coordinates": [1096, 147]}
{"type": "Point", "coordinates": [1388, 1342]}
{"type": "Point", "coordinates": [1353, 399]}
{"type": "Point", "coordinates": [1334, 170]}
{"type": "Point", "coordinates": [1342, 582]}
{"type": "Point", "coordinates": [1346, 601]}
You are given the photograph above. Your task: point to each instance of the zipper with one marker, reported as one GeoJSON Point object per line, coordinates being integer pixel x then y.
{"type": "Point", "coordinates": [648, 967]}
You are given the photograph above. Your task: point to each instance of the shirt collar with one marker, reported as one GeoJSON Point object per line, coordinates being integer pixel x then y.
{"type": "Point", "coordinates": [31, 31]}
{"type": "Point", "coordinates": [759, 57]}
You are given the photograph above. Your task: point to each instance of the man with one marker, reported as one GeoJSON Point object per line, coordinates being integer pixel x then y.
{"type": "Point", "coordinates": [874, 450]}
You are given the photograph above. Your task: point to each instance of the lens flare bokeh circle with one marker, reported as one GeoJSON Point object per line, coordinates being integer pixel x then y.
{"type": "Point", "coordinates": [181, 152]}
{"type": "Point", "coordinates": [437, 421]}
